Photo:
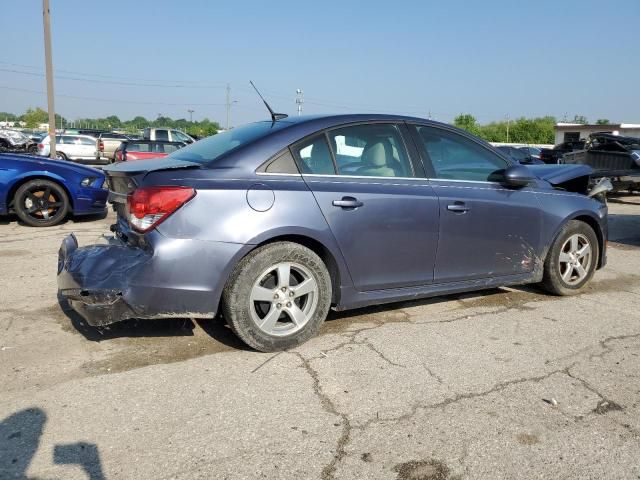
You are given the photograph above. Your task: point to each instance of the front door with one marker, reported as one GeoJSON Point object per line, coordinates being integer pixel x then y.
{"type": "Point", "coordinates": [383, 215]}
{"type": "Point", "coordinates": [486, 229]}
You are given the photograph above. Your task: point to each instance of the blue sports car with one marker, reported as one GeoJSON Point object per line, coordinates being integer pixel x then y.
{"type": "Point", "coordinates": [43, 192]}
{"type": "Point", "coordinates": [276, 222]}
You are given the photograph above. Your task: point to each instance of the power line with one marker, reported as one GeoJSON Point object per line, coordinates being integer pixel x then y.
{"type": "Point", "coordinates": [112, 100]}
{"type": "Point", "coordinates": [85, 74]}
{"type": "Point", "coordinates": [87, 80]}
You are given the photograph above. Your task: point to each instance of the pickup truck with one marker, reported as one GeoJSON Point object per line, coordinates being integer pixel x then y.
{"type": "Point", "coordinates": [166, 135]}
{"type": "Point", "coordinates": [553, 155]}
{"type": "Point", "coordinates": [611, 156]}
{"type": "Point", "coordinates": [106, 145]}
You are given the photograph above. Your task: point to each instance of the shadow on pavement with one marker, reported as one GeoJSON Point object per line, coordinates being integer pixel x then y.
{"type": "Point", "coordinates": [19, 441]}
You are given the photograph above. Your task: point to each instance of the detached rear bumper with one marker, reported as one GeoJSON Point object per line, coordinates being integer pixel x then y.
{"type": "Point", "coordinates": [170, 278]}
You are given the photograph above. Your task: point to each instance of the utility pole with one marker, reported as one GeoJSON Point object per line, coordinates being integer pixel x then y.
{"type": "Point", "coordinates": [228, 104]}
{"type": "Point", "coordinates": [190, 115]}
{"type": "Point", "coordinates": [299, 100]}
{"type": "Point", "coordinates": [46, 21]}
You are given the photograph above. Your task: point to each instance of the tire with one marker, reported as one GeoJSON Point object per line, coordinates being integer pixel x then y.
{"type": "Point", "coordinates": [61, 156]}
{"type": "Point", "coordinates": [41, 203]}
{"type": "Point", "coordinates": [568, 267]}
{"type": "Point", "coordinates": [270, 313]}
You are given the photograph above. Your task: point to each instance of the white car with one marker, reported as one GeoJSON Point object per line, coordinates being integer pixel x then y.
{"type": "Point", "coordinates": [71, 147]}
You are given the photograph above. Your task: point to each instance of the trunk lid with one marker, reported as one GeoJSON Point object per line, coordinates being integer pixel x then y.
{"type": "Point", "coordinates": [124, 177]}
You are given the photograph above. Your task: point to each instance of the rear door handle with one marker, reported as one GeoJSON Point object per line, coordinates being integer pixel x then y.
{"type": "Point", "coordinates": [458, 207]}
{"type": "Point", "coordinates": [347, 202]}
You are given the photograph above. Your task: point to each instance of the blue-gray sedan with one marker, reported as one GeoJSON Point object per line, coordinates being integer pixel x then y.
{"type": "Point", "coordinates": [274, 223]}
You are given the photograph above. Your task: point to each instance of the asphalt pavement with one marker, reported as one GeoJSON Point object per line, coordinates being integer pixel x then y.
{"type": "Point", "coordinates": [504, 383]}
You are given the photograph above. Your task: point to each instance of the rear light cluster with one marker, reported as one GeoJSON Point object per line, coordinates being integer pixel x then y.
{"type": "Point", "coordinates": [101, 145]}
{"type": "Point", "coordinates": [41, 146]}
{"type": "Point", "coordinates": [149, 206]}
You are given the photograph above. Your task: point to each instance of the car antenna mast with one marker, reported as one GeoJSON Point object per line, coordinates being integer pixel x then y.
{"type": "Point", "coordinates": [274, 116]}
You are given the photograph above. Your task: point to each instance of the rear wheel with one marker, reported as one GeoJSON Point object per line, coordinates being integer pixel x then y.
{"type": "Point", "coordinates": [61, 156]}
{"type": "Point", "coordinates": [41, 203]}
{"type": "Point", "coordinates": [277, 297]}
{"type": "Point", "coordinates": [572, 259]}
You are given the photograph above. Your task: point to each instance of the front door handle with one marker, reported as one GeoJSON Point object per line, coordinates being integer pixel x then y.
{"type": "Point", "coordinates": [347, 202]}
{"type": "Point", "coordinates": [458, 207]}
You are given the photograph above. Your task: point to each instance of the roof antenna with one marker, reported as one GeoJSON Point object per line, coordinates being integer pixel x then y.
{"type": "Point", "coordinates": [274, 116]}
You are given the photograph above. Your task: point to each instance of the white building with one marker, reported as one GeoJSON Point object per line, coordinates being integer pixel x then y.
{"type": "Point", "coordinates": [569, 132]}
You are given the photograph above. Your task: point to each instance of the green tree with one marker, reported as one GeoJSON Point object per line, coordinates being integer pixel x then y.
{"type": "Point", "coordinates": [580, 119]}
{"type": "Point", "coordinates": [603, 121]}
{"type": "Point", "coordinates": [33, 118]}
{"type": "Point", "coordinates": [467, 122]}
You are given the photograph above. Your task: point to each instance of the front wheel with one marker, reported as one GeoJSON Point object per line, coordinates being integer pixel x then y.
{"type": "Point", "coordinates": [572, 259]}
{"type": "Point", "coordinates": [41, 203]}
{"type": "Point", "coordinates": [277, 297]}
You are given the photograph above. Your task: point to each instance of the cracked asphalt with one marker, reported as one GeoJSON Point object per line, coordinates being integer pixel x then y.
{"type": "Point", "coordinates": [504, 383]}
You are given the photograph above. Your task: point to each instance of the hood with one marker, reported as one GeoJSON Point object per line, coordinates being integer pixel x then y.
{"type": "Point", "coordinates": [556, 175]}
{"type": "Point", "coordinates": [44, 163]}
{"type": "Point", "coordinates": [143, 166]}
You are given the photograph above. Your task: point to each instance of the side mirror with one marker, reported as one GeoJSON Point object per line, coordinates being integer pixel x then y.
{"type": "Point", "coordinates": [518, 176]}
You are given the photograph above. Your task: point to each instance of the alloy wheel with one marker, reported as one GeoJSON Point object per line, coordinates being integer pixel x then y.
{"type": "Point", "coordinates": [283, 299]}
{"type": "Point", "coordinates": [575, 259]}
{"type": "Point", "coordinates": [42, 203]}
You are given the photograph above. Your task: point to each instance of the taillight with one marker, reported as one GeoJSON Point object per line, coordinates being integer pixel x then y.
{"type": "Point", "coordinates": [101, 146]}
{"type": "Point", "coordinates": [149, 206]}
{"type": "Point", "coordinates": [41, 146]}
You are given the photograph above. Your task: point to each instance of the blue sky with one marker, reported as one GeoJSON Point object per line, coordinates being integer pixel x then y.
{"type": "Point", "coordinates": [488, 58]}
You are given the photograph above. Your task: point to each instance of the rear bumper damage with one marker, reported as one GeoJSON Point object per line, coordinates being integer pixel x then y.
{"type": "Point", "coordinates": [169, 278]}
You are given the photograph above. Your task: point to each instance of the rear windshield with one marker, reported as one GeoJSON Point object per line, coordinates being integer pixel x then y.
{"type": "Point", "coordinates": [211, 148]}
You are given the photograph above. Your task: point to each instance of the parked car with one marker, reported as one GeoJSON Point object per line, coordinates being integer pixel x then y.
{"type": "Point", "coordinates": [106, 146]}
{"type": "Point", "coordinates": [553, 155]}
{"type": "Point", "coordinates": [611, 156]}
{"type": "Point", "coordinates": [166, 135]}
{"type": "Point", "coordinates": [92, 132]}
{"type": "Point", "coordinates": [267, 224]}
{"type": "Point", "coordinates": [43, 192]}
{"type": "Point", "coordinates": [15, 141]}
{"type": "Point", "coordinates": [144, 149]}
{"type": "Point", "coordinates": [79, 148]}
{"type": "Point", "coordinates": [531, 151]}
{"type": "Point", "coordinates": [518, 155]}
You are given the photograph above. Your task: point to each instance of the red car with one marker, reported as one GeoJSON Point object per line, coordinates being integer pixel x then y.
{"type": "Point", "coordinates": [144, 149]}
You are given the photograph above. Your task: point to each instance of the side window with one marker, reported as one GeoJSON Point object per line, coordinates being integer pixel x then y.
{"type": "Point", "coordinates": [455, 157]}
{"type": "Point", "coordinates": [162, 135]}
{"type": "Point", "coordinates": [87, 141]}
{"type": "Point", "coordinates": [168, 148]}
{"type": "Point", "coordinates": [179, 136]}
{"type": "Point", "coordinates": [374, 150]}
{"type": "Point", "coordinates": [314, 156]}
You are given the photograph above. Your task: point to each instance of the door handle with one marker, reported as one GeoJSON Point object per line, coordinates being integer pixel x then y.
{"type": "Point", "coordinates": [347, 202]}
{"type": "Point", "coordinates": [458, 207]}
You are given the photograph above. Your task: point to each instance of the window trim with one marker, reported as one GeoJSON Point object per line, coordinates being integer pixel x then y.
{"type": "Point", "coordinates": [426, 159]}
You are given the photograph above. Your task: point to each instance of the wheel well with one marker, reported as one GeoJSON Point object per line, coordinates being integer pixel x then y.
{"type": "Point", "coordinates": [320, 250]}
{"type": "Point", "coordinates": [596, 228]}
{"type": "Point", "coordinates": [17, 185]}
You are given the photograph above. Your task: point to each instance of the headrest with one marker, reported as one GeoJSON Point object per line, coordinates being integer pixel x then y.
{"type": "Point", "coordinates": [375, 153]}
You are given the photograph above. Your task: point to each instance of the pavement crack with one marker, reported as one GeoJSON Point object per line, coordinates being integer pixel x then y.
{"type": "Point", "coordinates": [328, 471]}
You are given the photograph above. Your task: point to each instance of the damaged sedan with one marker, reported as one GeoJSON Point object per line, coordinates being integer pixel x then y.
{"type": "Point", "coordinates": [274, 223]}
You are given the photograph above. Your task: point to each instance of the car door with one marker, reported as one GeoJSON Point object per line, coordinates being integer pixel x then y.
{"type": "Point", "coordinates": [382, 212]}
{"type": "Point", "coordinates": [486, 229]}
{"type": "Point", "coordinates": [86, 147]}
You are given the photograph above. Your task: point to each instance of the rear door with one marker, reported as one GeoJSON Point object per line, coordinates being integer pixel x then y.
{"type": "Point", "coordinates": [486, 229]}
{"type": "Point", "coordinates": [380, 208]}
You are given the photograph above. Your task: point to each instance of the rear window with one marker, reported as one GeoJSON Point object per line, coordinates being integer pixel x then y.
{"type": "Point", "coordinates": [212, 148]}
